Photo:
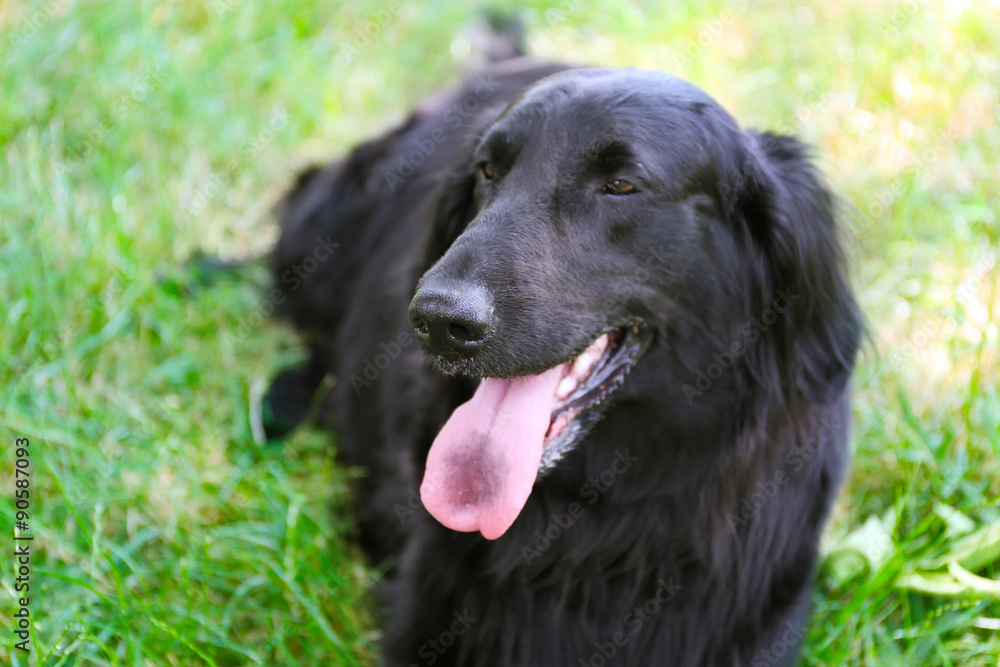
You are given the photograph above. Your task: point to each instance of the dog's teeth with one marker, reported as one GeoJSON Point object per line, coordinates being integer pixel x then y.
{"type": "Point", "coordinates": [583, 363]}
{"type": "Point", "coordinates": [566, 387]}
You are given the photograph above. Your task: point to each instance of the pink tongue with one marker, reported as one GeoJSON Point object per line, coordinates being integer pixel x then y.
{"type": "Point", "coordinates": [483, 463]}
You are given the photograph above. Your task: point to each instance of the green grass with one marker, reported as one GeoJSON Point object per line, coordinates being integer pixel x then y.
{"type": "Point", "coordinates": [136, 134]}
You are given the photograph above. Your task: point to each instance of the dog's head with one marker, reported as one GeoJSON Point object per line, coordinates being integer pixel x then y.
{"type": "Point", "coordinates": [608, 215]}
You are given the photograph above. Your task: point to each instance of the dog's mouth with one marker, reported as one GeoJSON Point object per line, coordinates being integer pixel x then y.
{"type": "Point", "coordinates": [587, 380]}
{"type": "Point", "coordinates": [484, 462]}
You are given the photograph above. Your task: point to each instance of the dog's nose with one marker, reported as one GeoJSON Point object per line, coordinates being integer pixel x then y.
{"type": "Point", "coordinates": [452, 320]}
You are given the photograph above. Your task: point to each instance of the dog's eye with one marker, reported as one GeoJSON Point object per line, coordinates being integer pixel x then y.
{"type": "Point", "coordinates": [619, 187]}
{"type": "Point", "coordinates": [487, 170]}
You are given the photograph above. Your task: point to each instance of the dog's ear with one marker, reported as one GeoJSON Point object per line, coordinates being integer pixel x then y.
{"type": "Point", "coordinates": [455, 209]}
{"type": "Point", "coordinates": [788, 217]}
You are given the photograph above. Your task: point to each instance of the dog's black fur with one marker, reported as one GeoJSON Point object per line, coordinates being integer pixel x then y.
{"type": "Point", "coordinates": [719, 463]}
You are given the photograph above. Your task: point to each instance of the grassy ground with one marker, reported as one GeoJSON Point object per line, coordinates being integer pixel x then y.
{"type": "Point", "coordinates": [136, 134]}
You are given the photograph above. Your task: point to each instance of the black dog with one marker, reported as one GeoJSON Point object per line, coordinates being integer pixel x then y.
{"type": "Point", "coordinates": [642, 312]}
